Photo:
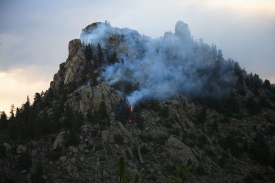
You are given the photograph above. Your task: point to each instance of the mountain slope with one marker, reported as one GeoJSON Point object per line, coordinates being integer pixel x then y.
{"type": "Point", "coordinates": [194, 113]}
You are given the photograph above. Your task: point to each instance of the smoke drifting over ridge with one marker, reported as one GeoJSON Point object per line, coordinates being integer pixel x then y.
{"type": "Point", "coordinates": [161, 68]}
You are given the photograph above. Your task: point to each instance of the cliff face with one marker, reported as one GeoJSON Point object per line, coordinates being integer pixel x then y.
{"type": "Point", "coordinates": [197, 113]}
{"type": "Point", "coordinates": [85, 97]}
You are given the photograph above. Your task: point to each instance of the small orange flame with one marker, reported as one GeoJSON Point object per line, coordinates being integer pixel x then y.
{"type": "Point", "coordinates": [131, 108]}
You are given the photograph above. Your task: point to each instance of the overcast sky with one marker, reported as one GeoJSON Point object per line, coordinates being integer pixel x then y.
{"type": "Point", "coordinates": [34, 34]}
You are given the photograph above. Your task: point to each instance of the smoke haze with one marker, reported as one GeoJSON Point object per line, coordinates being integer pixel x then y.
{"type": "Point", "coordinates": [163, 67]}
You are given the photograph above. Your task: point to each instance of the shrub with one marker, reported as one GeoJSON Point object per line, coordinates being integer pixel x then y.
{"type": "Point", "coordinates": [144, 150]}
{"type": "Point", "coordinates": [164, 112]}
{"type": "Point", "coordinates": [201, 170]}
{"type": "Point", "coordinates": [135, 152]}
{"type": "Point", "coordinates": [146, 138]}
{"type": "Point", "coordinates": [55, 155]}
{"type": "Point", "coordinates": [139, 121]}
{"type": "Point", "coordinates": [175, 132]}
{"type": "Point", "coordinates": [167, 124]}
{"type": "Point", "coordinates": [102, 116]}
{"type": "Point", "coordinates": [210, 153]}
{"type": "Point", "coordinates": [202, 140]}
{"type": "Point", "coordinates": [161, 139]}
{"type": "Point", "coordinates": [260, 151]}
{"type": "Point", "coordinates": [152, 178]}
{"type": "Point", "coordinates": [73, 138]}
{"type": "Point", "coordinates": [202, 116]}
{"type": "Point", "coordinates": [190, 144]}
{"type": "Point", "coordinates": [98, 147]}
{"type": "Point", "coordinates": [222, 161]}
{"type": "Point", "coordinates": [118, 139]}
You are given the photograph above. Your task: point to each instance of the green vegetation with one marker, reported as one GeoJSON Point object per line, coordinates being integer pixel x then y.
{"type": "Point", "coordinates": [202, 140]}
{"type": "Point", "coordinates": [118, 138]}
{"type": "Point", "coordinates": [231, 143]}
{"type": "Point", "coordinates": [161, 139]}
{"type": "Point", "coordinates": [122, 112]}
{"type": "Point", "coordinates": [146, 138]}
{"type": "Point", "coordinates": [164, 112]}
{"type": "Point", "coordinates": [182, 174]}
{"type": "Point", "coordinates": [139, 120]}
{"type": "Point", "coordinates": [72, 138]}
{"type": "Point", "coordinates": [200, 170]}
{"type": "Point", "coordinates": [101, 116]}
{"type": "Point", "coordinates": [258, 150]}
{"type": "Point", "coordinates": [113, 58]}
{"type": "Point", "coordinates": [121, 172]}
{"type": "Point", "coordinates": [88, 51]}
{"type": "Point", "coordinates": [144, 150]}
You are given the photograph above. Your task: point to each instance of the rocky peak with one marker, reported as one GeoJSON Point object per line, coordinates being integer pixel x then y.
{"type": "Point", "coordinates": [73, 46]}
{"type": "Point", "coordinates": [182, 29]}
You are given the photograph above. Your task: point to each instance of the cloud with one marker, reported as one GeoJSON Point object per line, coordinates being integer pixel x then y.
{"type": "Point", "coordinates": [17, 84]}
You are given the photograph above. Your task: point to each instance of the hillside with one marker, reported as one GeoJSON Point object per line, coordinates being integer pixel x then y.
{"type": "Point", "coordinates": [173, 107]}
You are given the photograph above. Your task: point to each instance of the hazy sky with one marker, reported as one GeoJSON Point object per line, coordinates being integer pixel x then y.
{"type": "Point", "coordinates": [34, 34]}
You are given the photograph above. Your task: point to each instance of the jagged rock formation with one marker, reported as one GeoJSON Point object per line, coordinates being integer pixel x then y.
{"type": "Point", "coordinates": [78, 128]}
{"type": "Point", "coordinates": [73, 72]}
{"type": "Point", "coordinates": [182, 29]}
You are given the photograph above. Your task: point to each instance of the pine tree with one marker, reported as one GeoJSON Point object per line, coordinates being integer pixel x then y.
{"type": "Point", "coordinates": [3, 120]}
{"type": "Point", "coordinates": [102, 116]}
{"type": "Point", "coordinates": [12, 113]}
{"type": "Point", "coordinates": [88, 52]}
{"type": "Point", "coordinates": [183, 174]}
{"type": "Point", "coordinates": [121, 169]}
{"type": "Point", "coordinates": [121, 172]}
{"type": "Point", "coordinates": [113, 58]}
{"type": "Point", "coordinates": [99, 55]}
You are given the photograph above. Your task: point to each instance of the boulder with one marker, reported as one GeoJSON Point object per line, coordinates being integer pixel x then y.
{"type": "Point", "coordinates": [7, 146]}
{"type": "Point", "coordinates": [59, 140]}
{"type": "Point", "coordinates": [73, 46]}
{"type": "Point", "coordinates": [20, 149]}
{"type": "Point", "coordinates": [180, 151]}
{"type": "Point", "coordinates": [62, 159]}
{"type": "Point", "coordinates": [105, 136]}
{"type": "Point", "coordinates": [75, 150]}
{"type": "Point", "coordinates": [73, 160]}
{"type": "Point", "coordinates": [91, 97]}
{"type": "Point", "coordinates": [34, 152]}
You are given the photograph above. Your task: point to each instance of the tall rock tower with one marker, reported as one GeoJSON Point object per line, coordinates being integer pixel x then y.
{"type": "Point", "coordinates": [182, 30]}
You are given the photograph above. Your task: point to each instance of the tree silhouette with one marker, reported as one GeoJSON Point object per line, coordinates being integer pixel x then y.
{"type": "Point", "coordinates": [121, 168]}
{"type": "Point", "coordinates": [99, 56]}
{"type": "Point", "coordinates": [88, 52]}
{"type": "Point", "coordinates": [3, 120]}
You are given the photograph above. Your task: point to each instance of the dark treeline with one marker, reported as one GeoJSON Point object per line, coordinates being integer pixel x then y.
{"type": "Point", "coordinates": [41, 117]}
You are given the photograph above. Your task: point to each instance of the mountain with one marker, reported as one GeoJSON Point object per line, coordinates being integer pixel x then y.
{"type": "Point", "coordinates": [128, 107]}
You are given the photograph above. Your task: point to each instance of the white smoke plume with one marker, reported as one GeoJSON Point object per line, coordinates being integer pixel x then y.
{"type": "Point", "coordinates": [161, 68]}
